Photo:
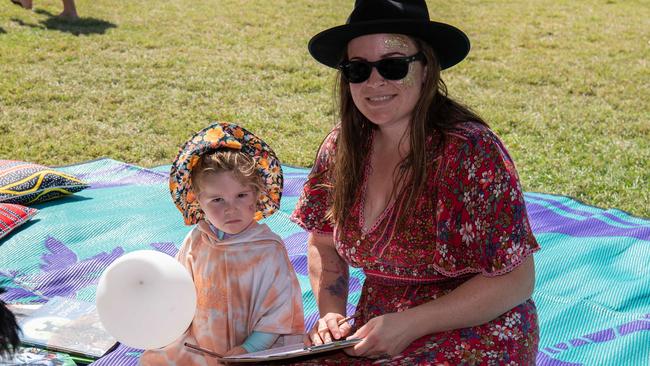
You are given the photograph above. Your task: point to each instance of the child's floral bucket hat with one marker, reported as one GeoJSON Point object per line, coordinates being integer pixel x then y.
{"type": "Point", "coordinates": [217, 136]}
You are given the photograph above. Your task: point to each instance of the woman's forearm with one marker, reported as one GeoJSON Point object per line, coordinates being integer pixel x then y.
{"type": "Point", "coordinates": [477, 301]}
{"type": "Point", "coordinates": [328, 274]}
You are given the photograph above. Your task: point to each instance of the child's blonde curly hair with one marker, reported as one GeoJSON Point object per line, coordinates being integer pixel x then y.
{"type": "Point", "coordinates": [243, 166]}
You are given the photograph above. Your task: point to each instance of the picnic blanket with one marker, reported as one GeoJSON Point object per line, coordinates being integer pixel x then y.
{"type": "Point", "coordinates": [592, 286]}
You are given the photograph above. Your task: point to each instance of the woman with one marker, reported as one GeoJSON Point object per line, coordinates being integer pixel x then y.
{"type": "Point", "coordinates": [415, 189]}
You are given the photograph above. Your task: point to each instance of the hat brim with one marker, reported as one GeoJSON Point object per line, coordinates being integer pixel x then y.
{"type": "Point", "coordinates": [449, 43]}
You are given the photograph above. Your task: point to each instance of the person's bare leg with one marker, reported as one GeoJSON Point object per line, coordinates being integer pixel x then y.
{"type": "Point", "coordinates": [69, 10]}
{"type": "Point", "coordinates": [27, 4]}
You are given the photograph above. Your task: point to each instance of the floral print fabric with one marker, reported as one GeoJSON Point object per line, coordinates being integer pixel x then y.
{"type": "Point", "coordinates": [217, 136]}
{"type": "Point", "coordinates": [470, 220]}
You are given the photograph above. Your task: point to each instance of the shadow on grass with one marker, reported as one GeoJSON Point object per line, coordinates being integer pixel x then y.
{"type": "Point", "coordinates": [81, 26]}
{"type": "Point", "coordinates": [2, 30]}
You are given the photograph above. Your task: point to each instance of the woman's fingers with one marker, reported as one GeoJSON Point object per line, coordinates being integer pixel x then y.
{"type": "Point", "coordinates": [321, 332]}
{"type": "Point", "coordinates": [327, 329]}
{"type": "Point", "coordinates": [325, 335]}
{"type": "Point", "coordinates": [306, 339]}
{"type": "Point", "coordinates": [315, 337]}
{"type": "Point", "coordinates": [362, 348]}
{"type": "Point", "coordinates": [333, 327]}
{"type": "Point", "coordinates": [365, 348]}
{"type": "Point", "coordinates": [314, 334]}
{"type": "Point", "coordinates": [345, 329]}
{"type": "Point", "coordinates": [316, 340]}
{"type": "Point", "coordinates": [373, 344]}
{"type": "Point", "coordinates": [363, 331]}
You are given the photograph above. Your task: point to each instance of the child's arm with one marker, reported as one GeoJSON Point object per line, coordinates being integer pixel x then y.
{"type": "Point", "coordinates": [259, 341]}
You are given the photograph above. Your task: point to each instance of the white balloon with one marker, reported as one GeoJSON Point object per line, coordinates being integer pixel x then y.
{"type": "Point", "coordinates": [146, 299]}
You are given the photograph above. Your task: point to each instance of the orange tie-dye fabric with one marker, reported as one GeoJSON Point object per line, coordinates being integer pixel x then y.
{"type": "Point", "coordinates": [244, 283]}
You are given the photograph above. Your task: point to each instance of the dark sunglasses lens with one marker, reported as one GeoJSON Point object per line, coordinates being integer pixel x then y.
{"type": "Point", "coordinates": [357, 71]}
{"type": "Point", "coordinates": [393, 69]}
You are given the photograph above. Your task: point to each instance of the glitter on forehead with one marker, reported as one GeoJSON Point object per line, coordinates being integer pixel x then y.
{"type": "Point", "coordinates": [399, 42]}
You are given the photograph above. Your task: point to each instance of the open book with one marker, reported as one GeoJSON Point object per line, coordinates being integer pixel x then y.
{"type": "Point", "coordinates": [37, 357]}
{"type": "Point", "coordinates": [281, 353]}
{"type": "Point", "coordinates": [66, 325]}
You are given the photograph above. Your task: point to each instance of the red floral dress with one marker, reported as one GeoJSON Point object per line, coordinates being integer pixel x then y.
{"type": "Point", "coordinates": [470, 220]}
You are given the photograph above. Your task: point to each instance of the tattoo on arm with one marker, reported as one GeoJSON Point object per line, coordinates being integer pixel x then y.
{"type": "Point", "coordinates": [339, 288]}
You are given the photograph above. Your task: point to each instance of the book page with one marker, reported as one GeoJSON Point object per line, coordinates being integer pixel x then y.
{"type": "Point", "coordinates": [67, 325]}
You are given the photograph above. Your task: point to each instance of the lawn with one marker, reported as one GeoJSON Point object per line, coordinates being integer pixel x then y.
{"type": "Point", "coordinates": [564, 83]}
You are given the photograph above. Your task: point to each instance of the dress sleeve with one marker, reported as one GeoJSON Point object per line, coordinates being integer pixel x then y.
{"type": "Point", "coordinates": [315, 199]}
{"type": "Point", "coordinates": [482, 224]}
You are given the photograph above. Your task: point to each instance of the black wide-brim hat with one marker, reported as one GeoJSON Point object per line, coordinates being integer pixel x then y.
{"type": "Point", "coordinates": [408, 17]}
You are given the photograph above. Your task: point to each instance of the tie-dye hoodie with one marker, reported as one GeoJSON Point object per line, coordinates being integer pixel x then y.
{"type": "Point", "coordinates": [244, 283]}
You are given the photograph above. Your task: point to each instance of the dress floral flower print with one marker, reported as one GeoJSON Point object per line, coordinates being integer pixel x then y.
{"type": "Point", "coordinates": [223, 135]}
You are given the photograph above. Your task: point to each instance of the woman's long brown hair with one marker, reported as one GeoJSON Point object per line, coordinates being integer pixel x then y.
{"type": "Point", "coordinates": [433, 116]}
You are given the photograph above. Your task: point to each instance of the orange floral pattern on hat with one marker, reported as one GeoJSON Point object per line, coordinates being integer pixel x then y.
{"type": "Point", "coordinates": [224, 135]}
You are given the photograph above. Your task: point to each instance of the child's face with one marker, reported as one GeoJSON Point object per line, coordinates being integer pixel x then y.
{"type": "Point", "coordinates": [228, 204]}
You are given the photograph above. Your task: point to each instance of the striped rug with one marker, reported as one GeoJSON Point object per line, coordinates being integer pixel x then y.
{"type": "Point", "coordinates": [593, 277]}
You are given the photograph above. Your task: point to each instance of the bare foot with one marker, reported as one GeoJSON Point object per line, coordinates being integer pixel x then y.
{"type": "Point", "coordinates": [69, 10]}
{"type": "Point", "coordinates": [68, 15]}
{"type": "Point", "coordinates": [27, 4]}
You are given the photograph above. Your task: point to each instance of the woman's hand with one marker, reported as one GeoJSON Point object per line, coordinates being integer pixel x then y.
{"type": "Point", "coordinates": [327, 329]}
{"type": "Point", "coordinates": [387, 334]}
{"type": "Point", "coordinates": [477, 301]}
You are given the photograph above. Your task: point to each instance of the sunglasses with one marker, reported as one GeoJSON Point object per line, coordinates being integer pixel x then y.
{"type": "Point", "coordinates": [394, 68]}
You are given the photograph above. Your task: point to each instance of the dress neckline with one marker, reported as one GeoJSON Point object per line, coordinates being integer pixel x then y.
{"type": "Point", "coordinates": [362, 204]}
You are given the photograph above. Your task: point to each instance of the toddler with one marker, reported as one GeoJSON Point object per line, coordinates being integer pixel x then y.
{"type": "Point", "coordinates": [223, 180]}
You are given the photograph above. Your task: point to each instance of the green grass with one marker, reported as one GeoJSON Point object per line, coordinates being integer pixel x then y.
{"type": "Point", "coordinates": [564, 83]}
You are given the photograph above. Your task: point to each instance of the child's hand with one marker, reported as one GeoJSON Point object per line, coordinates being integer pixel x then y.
{"type": "Point", "coordinates": [239, 350]}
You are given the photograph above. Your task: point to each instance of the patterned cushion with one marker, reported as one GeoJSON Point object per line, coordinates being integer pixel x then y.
{"type": "Point", "coordinates": [27, 183]}
{"type": "Point", "coordinates": [12, 216]}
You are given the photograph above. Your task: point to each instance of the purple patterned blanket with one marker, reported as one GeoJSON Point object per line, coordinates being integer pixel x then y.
{"type": "Point", "coordinates": [593, 278]}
